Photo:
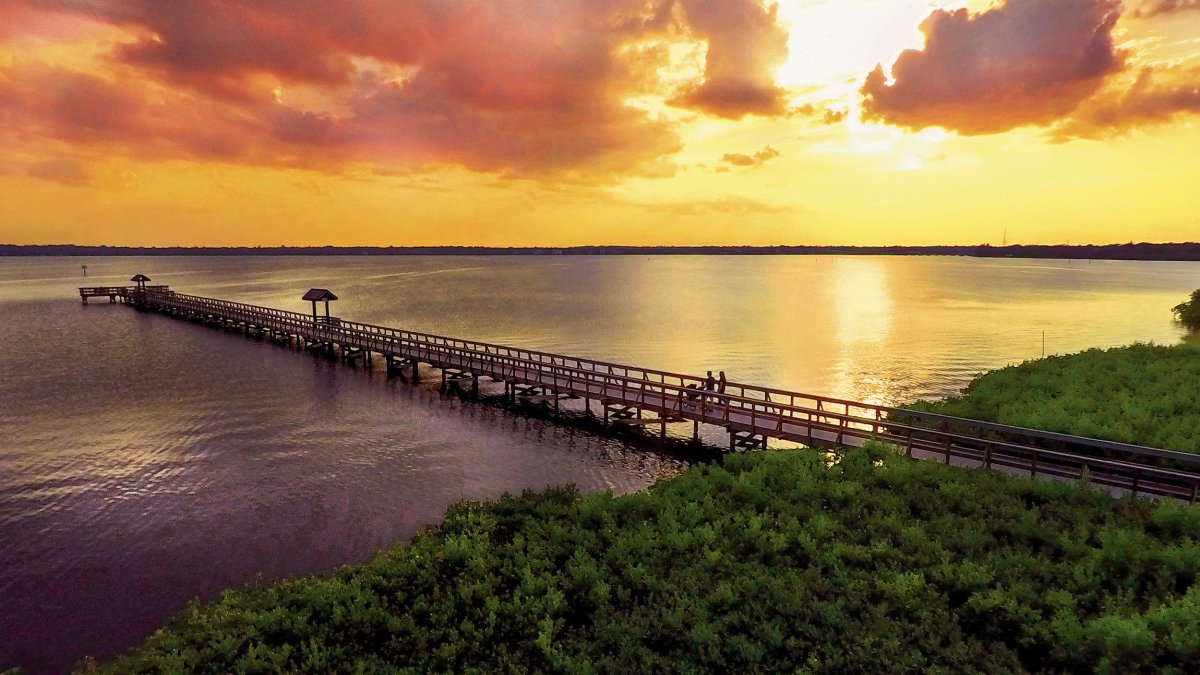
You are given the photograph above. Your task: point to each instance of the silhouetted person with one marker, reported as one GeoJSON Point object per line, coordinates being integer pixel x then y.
{"type": "Point", "coordinates": [721, 383]}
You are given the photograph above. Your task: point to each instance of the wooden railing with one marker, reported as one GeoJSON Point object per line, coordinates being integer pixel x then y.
{"type": "Point", "coordinates": [97, 291]}
{"type": "Point", "coordinates": [765, 411]}
{"type": "Point", "coordinates": [101, 291]}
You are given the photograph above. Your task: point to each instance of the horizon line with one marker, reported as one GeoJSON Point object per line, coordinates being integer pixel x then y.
{"type": "Point", "coordinates": [573, 247]}
{"type": "Point", "coordinates": [1143, 251]}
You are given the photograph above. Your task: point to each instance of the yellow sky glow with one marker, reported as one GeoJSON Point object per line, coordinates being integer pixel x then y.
{"type": "Point", "coordinates": [755, 180]}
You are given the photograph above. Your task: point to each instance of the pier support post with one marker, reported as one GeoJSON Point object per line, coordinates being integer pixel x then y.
{"type": "Point", "coordinates": [415, 377]}
{"type": "Point", "coordinates": [475, 386]}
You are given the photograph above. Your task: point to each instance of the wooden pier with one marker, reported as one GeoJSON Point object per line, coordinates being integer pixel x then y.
{"type": "Point", "coordinates": [646, 398]}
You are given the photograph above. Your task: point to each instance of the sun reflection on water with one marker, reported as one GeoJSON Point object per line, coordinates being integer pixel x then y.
{"type": "Point", "coordinates": [860, 293]}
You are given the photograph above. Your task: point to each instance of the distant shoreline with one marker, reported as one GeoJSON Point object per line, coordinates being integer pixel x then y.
{"type": "Point", "coordinates": [1141, 251]}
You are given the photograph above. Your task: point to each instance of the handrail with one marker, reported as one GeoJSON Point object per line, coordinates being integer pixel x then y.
{"type": "Point", "coordinates": [1099, 443]}
{"type": "Point", "coordinates": [120, 289]}
{"type": "Point", "coordinates": [458, 340]}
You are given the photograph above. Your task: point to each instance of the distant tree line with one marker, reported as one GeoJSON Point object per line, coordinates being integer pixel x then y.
{"type": "Point", "coordinates": [1130, 251]}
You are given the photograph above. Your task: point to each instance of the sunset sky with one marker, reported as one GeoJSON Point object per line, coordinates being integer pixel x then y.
{"type": "Point", "coordinates": [569, 122]}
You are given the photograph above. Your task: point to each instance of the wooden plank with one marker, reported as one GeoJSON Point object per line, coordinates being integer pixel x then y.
{"type": "Point", "coordinates": [646, 421]}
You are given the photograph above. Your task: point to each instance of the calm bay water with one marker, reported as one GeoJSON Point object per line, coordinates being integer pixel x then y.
{"type": "Point", "coordinates": [146, 461]}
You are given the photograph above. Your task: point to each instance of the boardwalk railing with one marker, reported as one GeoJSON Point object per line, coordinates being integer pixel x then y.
{"type": "Point", "coordinates": [114, 293]}
{"type": "Point", "coordinates": [747, 409]}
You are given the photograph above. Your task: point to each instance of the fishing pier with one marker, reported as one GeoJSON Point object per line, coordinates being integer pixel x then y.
{"type": "Point", "coordinates": [651, 400]}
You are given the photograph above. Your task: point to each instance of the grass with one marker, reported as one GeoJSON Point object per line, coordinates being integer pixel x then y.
{"type": "Point", "coordinates": [1142, 394]}
{"type": "Point", "coordinates": [768, 561]}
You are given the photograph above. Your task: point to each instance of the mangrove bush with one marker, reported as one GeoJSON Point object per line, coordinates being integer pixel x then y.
{"type": "Point", "coordinates": [1188, 312]}
{"type": "Point", "coordinates": [1141, 394]}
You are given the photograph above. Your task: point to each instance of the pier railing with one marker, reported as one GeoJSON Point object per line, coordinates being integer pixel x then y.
{"type": "Point", "coordinates": [114, 293]}
{"type": "Point", "coordinates": [750, 409]}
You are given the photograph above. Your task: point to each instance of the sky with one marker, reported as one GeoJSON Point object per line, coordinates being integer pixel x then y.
{"type": "Point", "coordinates": [587, 122]}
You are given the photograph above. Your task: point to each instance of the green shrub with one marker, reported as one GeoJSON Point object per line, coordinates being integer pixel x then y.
{"type": "Point", "coordinates": [1188, 312]}
{"type": "Point", "coordinates": [769, 561]}
{"type": "Point", "coordinates": [1141, 394]}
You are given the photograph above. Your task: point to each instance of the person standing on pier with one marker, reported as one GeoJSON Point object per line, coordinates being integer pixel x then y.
{"type": "Point", "coordinates": [721, 383]}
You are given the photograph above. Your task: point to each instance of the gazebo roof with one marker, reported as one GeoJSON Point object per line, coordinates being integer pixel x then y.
{"type": "Point", "coordinates": [137, 277]}
{"type": "Point", "coordinates": [319, 294]}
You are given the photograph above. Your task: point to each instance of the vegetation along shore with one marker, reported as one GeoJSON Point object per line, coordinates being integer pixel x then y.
{"type": "Point", "coordinates": [1142, 394]}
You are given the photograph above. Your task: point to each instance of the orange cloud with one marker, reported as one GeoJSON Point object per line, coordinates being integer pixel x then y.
{"type": "Point", "coordinates": [80, 114]}
{"type": "Point", "coordinates": [525, 87]}
{"type": "Point", "coordinates": [65, 172]}
{"type": "Point", "coordinates": [832, 116]}
{"type": "Point", "coordinates": [64, 105]}
{"type": "Point", "coordinates": [1023, 62]}
{"type": "Point", "coordinates": [1149, 101]}
{"type": "Point", "coordinates": [745, 44]}
{"type": "Point", "coordinates": [757, 159]}
{"type": "Point", "coordinates": [1158, 7]}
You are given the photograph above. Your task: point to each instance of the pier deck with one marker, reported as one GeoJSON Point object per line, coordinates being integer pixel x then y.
{"type": "Point", "coordinates": [751, 414]}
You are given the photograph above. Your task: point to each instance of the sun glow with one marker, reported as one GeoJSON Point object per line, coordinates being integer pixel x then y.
{"type": "Point", "coordinates": [485, 127]}
{"type": "Point", "coordinates": [831, 42]}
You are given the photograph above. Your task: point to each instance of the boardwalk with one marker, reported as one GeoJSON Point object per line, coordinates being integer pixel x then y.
{"type": "Point", "coordinates": [652, 399]}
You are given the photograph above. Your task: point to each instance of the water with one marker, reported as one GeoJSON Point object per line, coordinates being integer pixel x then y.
{"type": "Point", "coordinates": [145, 461]}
